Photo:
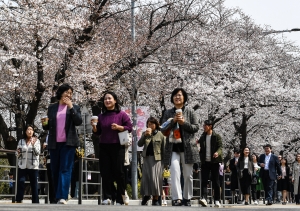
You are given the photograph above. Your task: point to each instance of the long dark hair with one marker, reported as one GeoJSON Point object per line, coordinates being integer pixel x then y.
{"type": "Point", "coordinates": [242, 153]}
{"type": "Point", "coordinates": [117, 105]}
{"type": "Point", "coordinates": [286, 163]}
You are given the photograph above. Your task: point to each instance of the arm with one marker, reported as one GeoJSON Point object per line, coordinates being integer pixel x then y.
{"type": "Point", "coordinates": [163, 145]}
{"type": "Point", "coordinates": [76, 115]}
{"type": "Point", "coordinates": [219, 145]}
{"type": "Point", "coordinates": [127, 125]}
{"type": "Point", "coordinates": [142, 140]}
{"type": "Point", "coordinates": [277, 166]}
{"type": "Point", "coordinates": [36, 147]}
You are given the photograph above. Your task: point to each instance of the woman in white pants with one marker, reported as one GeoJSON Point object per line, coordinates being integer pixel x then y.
{"type": "Point", "coordinates": [181, 150]}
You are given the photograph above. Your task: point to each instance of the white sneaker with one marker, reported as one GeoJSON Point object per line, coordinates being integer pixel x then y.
{"type": "Point", "coordinates": [203, 202]}
{"type": "Point", "coordinates": [217, 204]}
{"type": "Point", "coordinates": [106, 202]}
{"type": "Point", "coordinates": [62, 201]}
{"type": "Point", "coordinates": [125, 199]}
{"type": "Point", "coordinates": [165, 203]}
{"type": "Point", "coordinates": [256, 202]}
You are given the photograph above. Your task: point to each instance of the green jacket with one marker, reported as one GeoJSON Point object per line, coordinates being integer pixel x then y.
{"type": "Point", "coordinates": [216, 146]}
{"type": "Point", "coordinates": [158, 140]}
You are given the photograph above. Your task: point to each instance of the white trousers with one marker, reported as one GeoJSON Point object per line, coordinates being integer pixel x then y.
{"type": "Point", "coordinates": [187, 171]}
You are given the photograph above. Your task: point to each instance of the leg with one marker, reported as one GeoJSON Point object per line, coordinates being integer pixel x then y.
{"type": "Point", "coordinates": [33, 178]}
{"type": "Point", "coordinates": [215, 180]}
{"type": "Point", "coordinates": [187, 170]}
{"type": "Point", "coordinates": [21, 184]}
{"type": "Point", "coordinates": [65, 171]}
{"type": "Point", "coordinates": [118, 163]}
{"type": "Point", "coordinates": [50, 184]}
{"type": "Point", "coordinates": [175, 176]}
{"type": "Point", "coordinates": [105, 166]}
{"type": "Point", "coordinates": [205, 169]}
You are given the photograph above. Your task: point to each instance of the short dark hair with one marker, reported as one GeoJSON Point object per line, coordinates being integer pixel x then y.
{"type": "Point", "coordinates": [242, 153]}
{"type": "Point", "coordinates": [61, 89]}
{"type": "Point", "coordinates": [175, 91]}
{"type": "Point", "coordinates": [268, 145]}
{"type": "Point", "coordinates": [154, 121]}
{"type": "Point", "coordinates": [117, 105]}
{"type": "Point", "coordinates": [236, 150]}
{"type": "Point", "coordinates": [27, 126]}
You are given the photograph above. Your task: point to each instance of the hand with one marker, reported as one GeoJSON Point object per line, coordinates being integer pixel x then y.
{"type": "Point", "coordinates": [262, 165]}
{"type": "Point", "coordinates": [68, 102]}
{"type": "Point", "coordinates": [235, 162]}
{"type": "Point", "coordinates": [179, 118]}
{"type": "Point", "coordinates": [216, 155]}
{"type": "Point", "coordinates": [33, 140]}
{"type": "Point", "coordinates": [148, 132]}
{"type": "Point", "coordinates": [115, 126]}
{"type": "Point", "coordinates": [44, 145]}
{"type": "Point", "coordinates": [279, 177]}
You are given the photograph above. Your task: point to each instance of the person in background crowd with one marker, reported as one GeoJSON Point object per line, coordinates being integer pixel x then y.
{"type": "Point", "coordinates": [270, 169]}
{"type": "Point", "coordinates": [184, 125]}
{"type": "Point", "coordinates": [221, 176]}
{"type": "Point", "coordinates": [234, 184]}
{"type": "Point", "coordinates": [283, 181]}
{"type": "Point", "coordinates": [28, 151]}
{"type": "Point", "coordinates": [211, 156]}
{"type": "Point", "coordinates": [245, 171]}
{"type": "Point", "coordinates": [256, 188]}
{"type": "Point", "coordinates": [227, 183]}
{"type": "Point", "coordinates": [11, 183]}
{"type": "Point", "coordinates": [295, 178]}
{"type": "Point", "coordinates": [277, 195]}
{"type": "Point", "coordinates": [111, 153]}
{"type": "Point", "coordinates": [153, 143]}
{"type": "Point", "coordinates": [63, 117]}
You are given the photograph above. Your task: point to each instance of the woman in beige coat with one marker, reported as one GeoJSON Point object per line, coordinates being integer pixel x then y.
{"type": "Point", "coordinates": [295, 178]}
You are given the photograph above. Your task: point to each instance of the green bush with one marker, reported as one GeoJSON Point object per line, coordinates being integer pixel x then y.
{"type": "Point", "coordinates": [129, 190]}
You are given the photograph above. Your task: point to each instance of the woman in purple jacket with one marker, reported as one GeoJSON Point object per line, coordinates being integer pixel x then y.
{"type": "Point", "coordinates": [111, 153]}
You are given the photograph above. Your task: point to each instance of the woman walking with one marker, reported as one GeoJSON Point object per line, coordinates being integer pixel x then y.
{"type": "Point", "coordinates": [63, 117]}
{"type": "Point", "coordinates": [111, 152]}
{"type": "Point", "coordinates": [255, 191]}
{"type": "Point", "coordinates": [245, 170]}
{"type": "Point", "coordinates": [153, 142]}
{"type": "Point", "coordinates": [28, 151]}
{"type": "Point", "coordinates": [283, 181]}
{"type": "Point", "coordinates": [181, 148]}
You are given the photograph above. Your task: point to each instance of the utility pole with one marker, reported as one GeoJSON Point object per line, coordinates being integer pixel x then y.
{"type": "Point", "coordinates": [134, 117]}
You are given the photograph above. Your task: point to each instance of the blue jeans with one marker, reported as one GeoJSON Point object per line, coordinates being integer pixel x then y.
{"type": "Point", "coordinates": [62, 160]}
{"type": "Point", "coordinates": [268, 186]}
{"type": "Point", "coordinates": [33, 178]}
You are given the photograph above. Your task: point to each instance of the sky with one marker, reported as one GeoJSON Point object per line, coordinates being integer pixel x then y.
{"type": "Point", "coordinates": [277, 14]}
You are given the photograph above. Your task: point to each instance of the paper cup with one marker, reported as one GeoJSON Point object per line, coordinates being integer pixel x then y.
{"type": "Point", "coordinates": [94, 120]}
{"type": "Point", "coordinates": [45, 120]}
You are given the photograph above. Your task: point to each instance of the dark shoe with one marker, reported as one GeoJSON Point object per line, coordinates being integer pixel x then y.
{"type": "Point", "coordinates": [269, 203]}
{"type": "Point", "coordinates": [176, 202]}
{"type": "Point", "coordinates": [155, 202]}
{"type": "Point", "coordinates": [18, 201]}
{"type": "Point", "coordinates": [145, 200]}
{"type": "Point", "coordinates": [284, 203]}
{"type": "Point", "coordinates": [187, 202]}
{"type": "Point", "coordinates": [246, 203]}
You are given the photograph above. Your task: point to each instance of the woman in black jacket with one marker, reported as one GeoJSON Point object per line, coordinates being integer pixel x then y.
{"type": "Point", "coordinates": [245, 170]}
{"type": "Point", "coordinates": [283, 181]}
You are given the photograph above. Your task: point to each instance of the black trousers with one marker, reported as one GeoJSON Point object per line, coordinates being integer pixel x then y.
{"type": "Point", "coordinates": [111, 161]}
{"type": "Point", "coordinates": [211, 169]}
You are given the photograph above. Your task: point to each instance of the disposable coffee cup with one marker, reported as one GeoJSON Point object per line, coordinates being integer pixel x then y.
{"type": "Point", "coordinates": [178, 111]}
{"type": "Point", "coordinates": [94, 120]}
{"type": "Point", "coordinates": [45, 120]}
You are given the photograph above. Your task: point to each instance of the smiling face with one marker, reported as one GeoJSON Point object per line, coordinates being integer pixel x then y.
{"type": "Point", "coordinates": [109, 102]}
{"type": "Point", "coordinates": [178, 99]}
{"type": "Point", "coordinates": [254, 158]}
{"type": "Point", "coordinates": [29, 132]}
{"type": "Point", "coordinates": [246, 152]}
{"type": "Point", "coordinates": [151, 125]}
{"type": "Point", "coordinates": [67, 94]}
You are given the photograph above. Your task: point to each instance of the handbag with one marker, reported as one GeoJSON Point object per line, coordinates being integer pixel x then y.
{"type": "Point", "coordinates": [124, 137]}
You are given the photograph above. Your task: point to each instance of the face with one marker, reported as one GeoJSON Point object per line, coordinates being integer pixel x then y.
{"type": "Point", "coordinates": [267, 150]}
{"type": "Point", "coordinates": [254, 158]}
{"type": "Point", "coordinates": [151, 125]}
{"type": "Point", "coordinates": [236, 154]}
{"type": "Point", "coordinates": [283, 161]}
{"type": "Point", "coordinates": [298, 158]}
{"type": "Point", "coordinates": [29, 132]}
{"type": "Point", "coordinates": [246, 152]}
{"type": "Point", "coordinates": [178, 98]}
{"type": "Point", "coordinates": [109, 102]}
{"type": "Point", "coordinates": [67, 94]}
{"type": "Point", "coordinates": [207, 128]}
{"type": "Point", "coordinates": [279, 157]}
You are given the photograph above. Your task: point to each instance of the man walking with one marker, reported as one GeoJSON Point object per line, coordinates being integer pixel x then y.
{"type": "Point", "coordinates": [270, 169]}
{"type": "Point", "coordinates": [210, 156]}
{"type": "Point", "coordinates": [234, 185]}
